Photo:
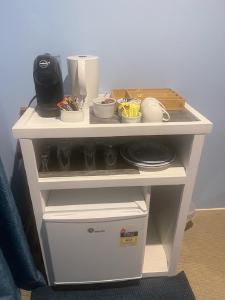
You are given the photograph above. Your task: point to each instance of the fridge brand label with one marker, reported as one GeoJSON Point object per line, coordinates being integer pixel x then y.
{"type": "Point", "coordinates": [92, 230]}
{"type": "Point", "coordinates": [128, 238]}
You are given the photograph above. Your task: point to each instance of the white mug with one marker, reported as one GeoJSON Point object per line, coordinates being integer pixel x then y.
{"type": "Point", "coordinates": [154, 111]}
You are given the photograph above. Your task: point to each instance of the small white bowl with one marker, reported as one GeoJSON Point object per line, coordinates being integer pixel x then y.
{"type": "Point", "coordinates": [72, 116]}
{"type": "Point", "coordinates": [104, 111]}
{"type": "Point", "coordinates": [132, 119]}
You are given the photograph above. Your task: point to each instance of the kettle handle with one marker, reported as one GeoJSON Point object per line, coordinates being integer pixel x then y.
{"type": "Point", "coordinates": [82, 77]}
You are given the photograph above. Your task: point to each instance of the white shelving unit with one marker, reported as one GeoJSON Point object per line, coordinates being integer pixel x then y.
{"type": "Point", "coordinates": [171, 188]}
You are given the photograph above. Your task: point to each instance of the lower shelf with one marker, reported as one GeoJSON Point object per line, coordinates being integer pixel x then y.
{"type": "Point", "coordinates": [155, 261]}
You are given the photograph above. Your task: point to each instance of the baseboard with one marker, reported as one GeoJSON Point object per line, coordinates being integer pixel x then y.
{"type": "Point", "coordinates": [215, 208]}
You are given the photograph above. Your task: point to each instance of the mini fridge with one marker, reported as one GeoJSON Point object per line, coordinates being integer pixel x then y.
{"type": "Point", "coordinates": [95, 235]}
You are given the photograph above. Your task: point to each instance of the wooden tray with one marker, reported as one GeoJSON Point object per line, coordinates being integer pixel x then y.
{"type": "Point", "coordinates": [169, 98]}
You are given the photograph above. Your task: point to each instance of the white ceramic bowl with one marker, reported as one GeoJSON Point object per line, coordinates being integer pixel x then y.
{"type": "Point", "coordinates": [72, 116]}
{"type": "Point", "coordinates": [131, 119]}
{"type": "Point", "coordinates": [104, 111]}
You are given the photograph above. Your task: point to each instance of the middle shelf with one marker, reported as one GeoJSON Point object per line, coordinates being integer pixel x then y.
{"type": "Point", "coordinates": [174, 175]}
{"type": "Point", "coordinates": [108, 162]}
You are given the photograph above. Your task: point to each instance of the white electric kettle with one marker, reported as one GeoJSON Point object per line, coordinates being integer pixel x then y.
{"type": "Point", "coordinates": [83, 73]}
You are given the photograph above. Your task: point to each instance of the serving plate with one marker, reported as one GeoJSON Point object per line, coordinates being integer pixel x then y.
{"type": "Point", "coordinates": [148, 154]}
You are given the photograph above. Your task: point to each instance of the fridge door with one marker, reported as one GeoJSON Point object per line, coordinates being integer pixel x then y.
{"type": "Point", "coordinates": [86, 252]}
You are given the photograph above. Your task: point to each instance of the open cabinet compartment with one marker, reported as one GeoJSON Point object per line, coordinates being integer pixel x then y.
{"type": "Point", "coordinates": [121, 174]}
{"type": "Point", "coordinates": [88, 227]}
{"type": "Point", "coordinates": [164, 211]}
{"type": "Point", "coordinates": [67, 200]}
{"type": "Point", "coordinates": [163, 203]}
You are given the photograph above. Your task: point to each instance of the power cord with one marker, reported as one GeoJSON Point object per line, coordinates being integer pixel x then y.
{"type": "Point", "coordinates": [31, 100]}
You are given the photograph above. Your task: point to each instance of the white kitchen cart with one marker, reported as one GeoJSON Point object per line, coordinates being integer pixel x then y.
{"type": "Point", "coordinates": [171, 191]}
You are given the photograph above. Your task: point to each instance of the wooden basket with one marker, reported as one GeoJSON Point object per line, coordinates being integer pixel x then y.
{"type": "Point", "coordinates": [169, 98]}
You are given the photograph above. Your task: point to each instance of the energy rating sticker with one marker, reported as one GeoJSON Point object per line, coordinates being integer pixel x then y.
{"type": "Point", "coordinates": [128, 238]}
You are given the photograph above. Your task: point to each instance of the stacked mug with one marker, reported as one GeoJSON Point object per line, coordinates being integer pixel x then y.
{"type": "Point", "coordinates": [154, 111]}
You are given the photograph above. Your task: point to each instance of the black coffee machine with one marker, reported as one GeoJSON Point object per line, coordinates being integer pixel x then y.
{"type": "Point", "coordinates": [48, 85]}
